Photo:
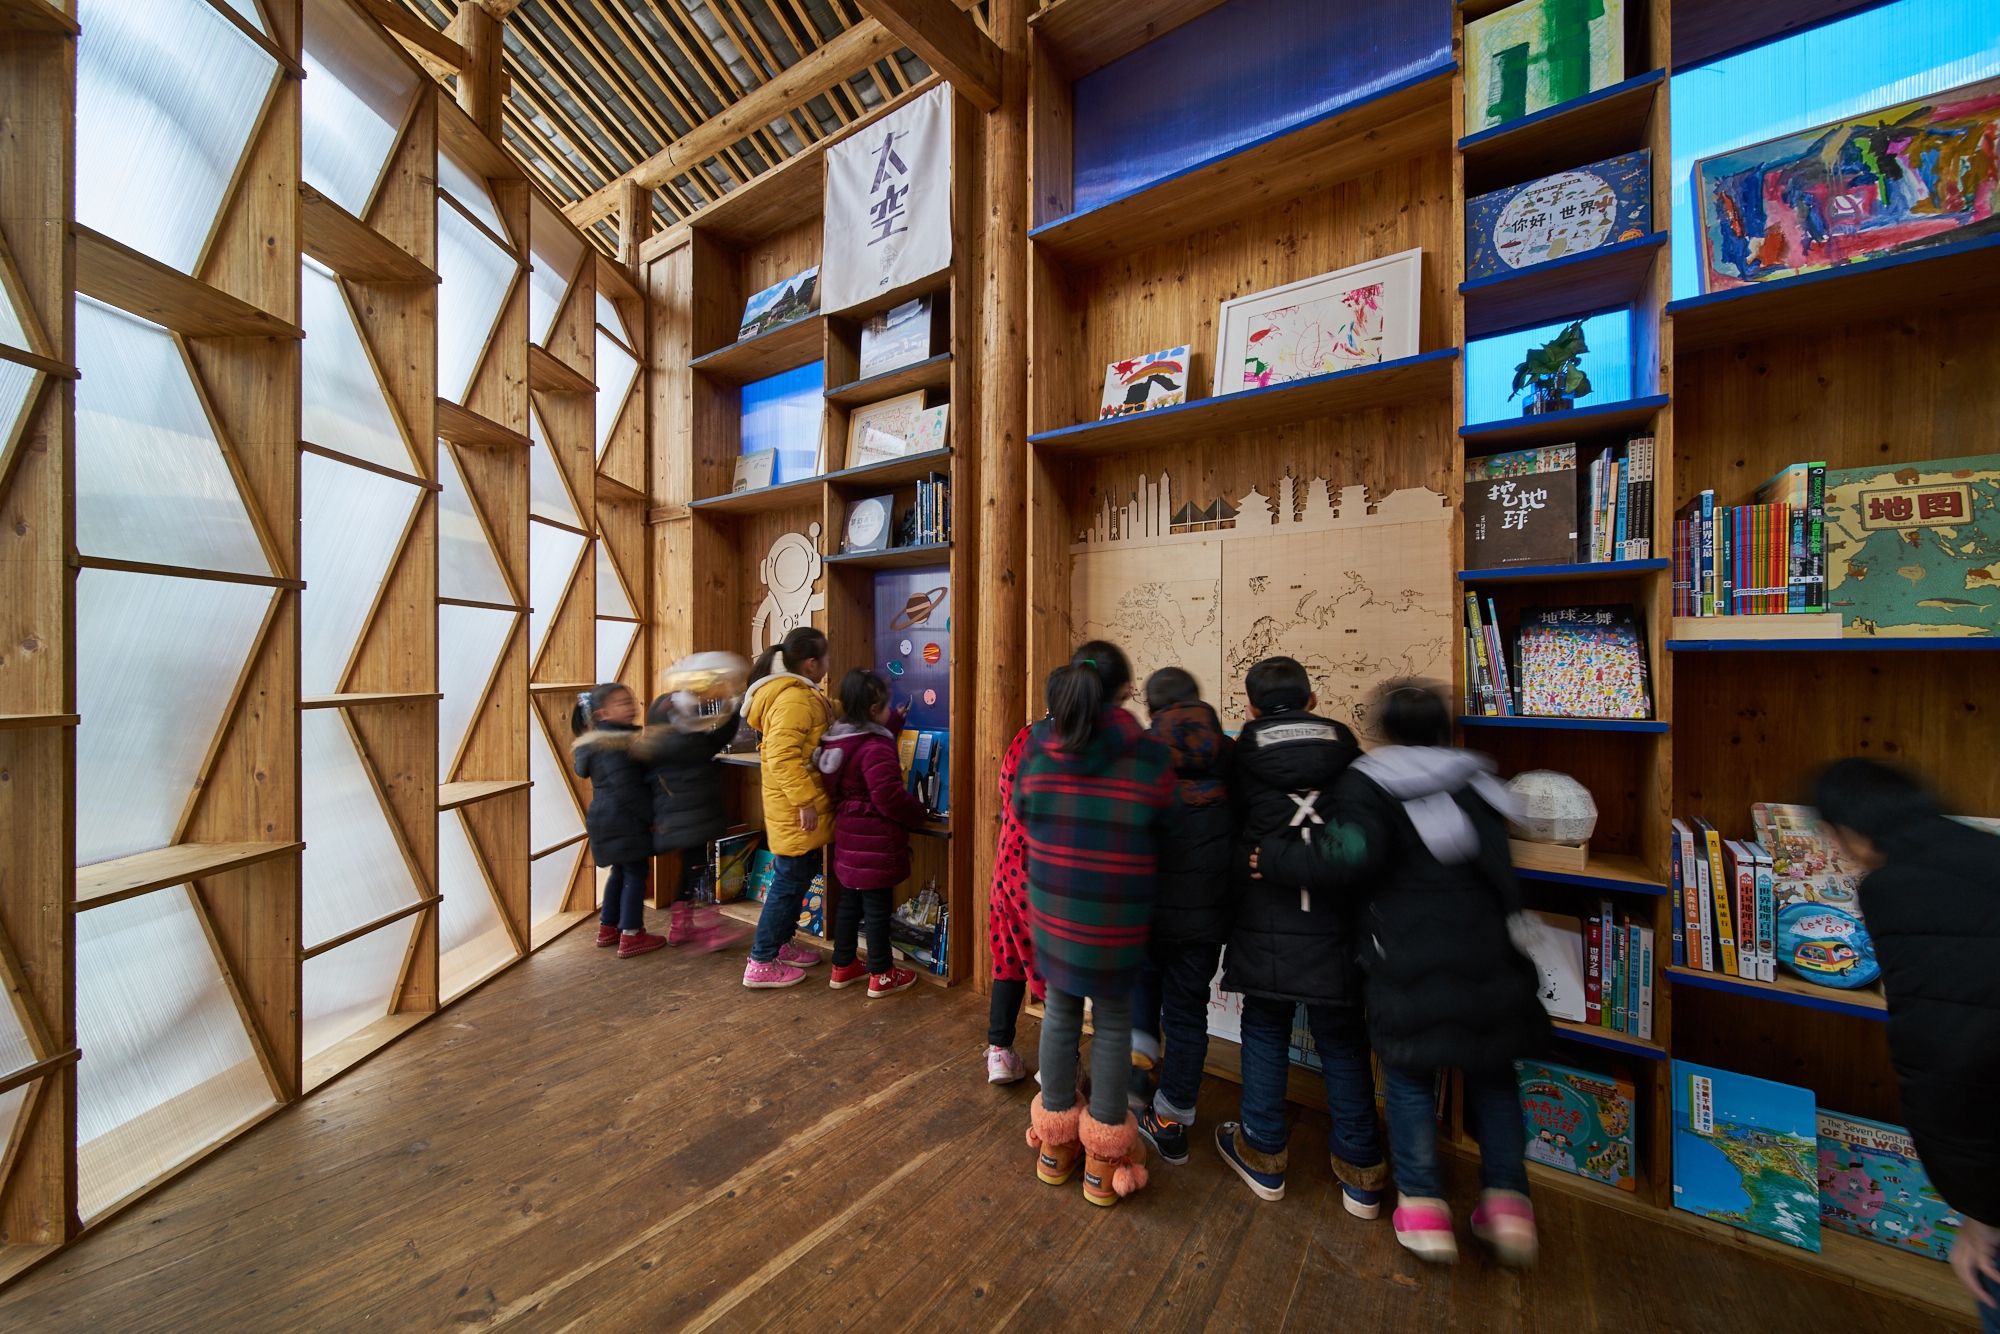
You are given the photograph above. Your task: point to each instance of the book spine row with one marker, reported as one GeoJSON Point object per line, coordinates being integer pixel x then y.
{"type": "Point", "coordinates": [1761, 559]}
{"type": "Point", "coordinates": [1617, 973]}
{"type": "Point", "coordinates": [1618, 519]}
{"type": "Point", "coordinates": [1488, 689]}
{"type": "Point", "coordinates": [933, 510]}
{"type": "Point", "coordinates": [1724, 890]}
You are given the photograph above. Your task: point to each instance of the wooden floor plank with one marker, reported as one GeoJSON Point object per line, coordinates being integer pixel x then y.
{"type": "Point", "coordinates": [588, 1143]}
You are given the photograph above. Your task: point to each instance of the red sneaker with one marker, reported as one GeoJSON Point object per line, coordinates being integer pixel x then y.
{"type": "Point", "coordinates": [846, 975]}
{"type": "Point", "coordinates": [891, 982]}
{"type": "Point", "coordinates": [607, 936]}
{"type": "Point", "coordinates": [638, 942]}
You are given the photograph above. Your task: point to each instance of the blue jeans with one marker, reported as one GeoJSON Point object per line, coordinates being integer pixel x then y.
{"type": "Point", "coordinates": [1493, 1106]}
{"type": "Point", "coordinates": [1170, 1001]}
{"type": "Point", "coordinates": [1342, 1041]}
{"type": "Point", "coordinates": [625, 898]}
{"type": "Point", "coordinates": [791, 877]}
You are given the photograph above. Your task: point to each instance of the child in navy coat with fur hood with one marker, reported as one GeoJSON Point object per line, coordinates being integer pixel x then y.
{"type": "Point", "coordinates": [873, 814]}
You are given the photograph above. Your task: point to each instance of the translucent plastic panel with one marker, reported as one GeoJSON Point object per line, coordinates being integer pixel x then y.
{"type": "Point", "coordinates": [615, 370]}
{"type": "Point", "coordinates": [612, 599]}
{"type": "Point", "coordinates": [467, 567]}
{"type": "Point", "coordinates": [469, 643]}
{"type": "Point", "coordinates": [468, 187]}
{"type": "Point", "coordinates": [351, 521]}
{"type": "Point", "coordinates": [14, 1053]}
{"type": "Point", "coordinates": [548, 493]}
{"type": "Point", "coordinates": [347, 989]}
{"type": "Point", "coordinates": [552, 554]}
{"type": "Point", "coordinates": [614, 640]}
{"type": "Point", "coordinates": [356, 93]}
{"type": "Point", "coordinates": [342, 406]}
{"type": "Point", "coordinates": [608, 316]}
{"type": "Point", "coordinates": [472, 939]}
{"type": "Point", "coordinates": [156, 662]}
{"type": "Point", "coordinates": [555, 251]}
{"type": "Point", "coordinates": [476, 275]}
{"type": "Point", "coordinates": [16, 383]}
{"type": "Point", "coordinates": [248, 9]}
{"type": "Point", "coordinates": [548, 882]}
{"type": "Point", "coordinates": [167, 1068]}
{"type": "Point", "coordinates": [354, 871]}
{"type": "Point", "coordinates": [151, 483]}
{"type": "Point", "coordinates": [553, 814]}
{"type": "Point", "coordinates": [12, 331]}
{"type": "Point", "coordinates": [1490, 362]}
{"type": "Point", "coordinates": [167, 93]}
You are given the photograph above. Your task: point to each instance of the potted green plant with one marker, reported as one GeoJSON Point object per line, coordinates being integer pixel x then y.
{"type": "Point", "coordinates": [1553, 373]}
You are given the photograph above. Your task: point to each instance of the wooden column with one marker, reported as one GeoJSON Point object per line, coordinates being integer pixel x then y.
{"type": "Point", "coordinates": [481, 79]}
{"type": "Point", "coordinates": [635, 222]}
{"type": "Point", "coordinates": [1003, 453]}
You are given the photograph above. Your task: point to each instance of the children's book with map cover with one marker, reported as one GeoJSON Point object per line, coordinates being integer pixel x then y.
{"type": "Point", "coordinates": [1746, 1153]}
{"type": "Point", "coordinates": [1579, 1122]}
{"type": "Point", "coordinates": [1909, 547]}
{"type": "Point", "coordinates": [1871, 1184]}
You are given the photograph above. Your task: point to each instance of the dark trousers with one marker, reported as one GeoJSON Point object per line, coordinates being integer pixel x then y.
{"type": "Point", "coordinates": [1493, 1105]}
{"type": "Point", "coordinates": [1005, 1011]}
{"type": "Point", "coordinates": [694, 868]}
{"type": "Point", "coordinates": [875, 905]}
{"type": "Point", "coordinates": [791, 877]}
{"type": "Point", "coordinates": [625, 898]}
{"type": "Point", "coordinates": [1341, 1039]}
{"type": "Point", "coordinates": [1171, 1003]}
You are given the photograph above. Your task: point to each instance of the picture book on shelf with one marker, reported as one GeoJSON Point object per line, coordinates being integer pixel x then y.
{"type": "Point", "coordinates": [1579, 1122]}
{"type": "Point", "coordinates": [729, 863]}
{"type": "Point", "coordinates": [1138, 384]}
{"type": "Point", "coordinates": [1570, 213]}
{"type": "Point", "coordinates": [1871, 1184]}
{"type": "Point", "coordinates": [1618, 967]}
{"type": "Point", "coordinates": [897, 337]}
{"type": "Point", "coordinates": [1555, 943]}
{"type": "Point", "coordinates": [1746, 1153]}
{"type": "Point", "coordinates": [794, 298]}
{"type": "Point", "coordinates": [1514, 516]}
{"type": "Point", "coordinates": [1581, 662]}
{"type": "Point", "coordinates": [881, 431]}
{"type": "Point", "coordinates": [1910, 548]}
{"type": "Point", "coordinates": [754, 471]}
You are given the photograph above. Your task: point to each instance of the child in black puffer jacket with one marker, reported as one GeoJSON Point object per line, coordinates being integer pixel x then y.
{"type": "Point", "coordinates": [620, 816]}
{"type": "Point", "coordinates": [1418, 832]}
{"type": "Point", "coordinates": [684, 781]}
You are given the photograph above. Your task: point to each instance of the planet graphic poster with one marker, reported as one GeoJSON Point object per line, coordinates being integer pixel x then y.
{"type": "Point", "coordinates": [913, 643]}
{"type": "Point", "coordinates": [1746, 1153]}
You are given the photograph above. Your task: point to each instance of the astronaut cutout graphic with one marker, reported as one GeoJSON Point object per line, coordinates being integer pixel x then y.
{"type": "Point", "coordinates": [789, 573]}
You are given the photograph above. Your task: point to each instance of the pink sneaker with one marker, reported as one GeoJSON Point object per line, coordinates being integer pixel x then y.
{"type": "Point", "coordinates": [1505, 1220]}
{"type": "Point", "coordinates": [1003, 1066]}
{"type": "Point", "coordinates": [709, 930]}
{"type": "Point", "coordinates": [772, 974]}
{"type": "Point", "coordinates": [1423, 1225]}
{"type": "Point", "coordinates": [680, 927]}
{"type": "Point", "coordinates": [798, 956]}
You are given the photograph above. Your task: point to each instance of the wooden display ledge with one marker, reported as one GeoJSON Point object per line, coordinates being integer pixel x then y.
{"type": "Point", "coordinates": [1613, 275]}
{"type": "Point", "coordinates": [1544, 574]}
{"type": "Point", "coordinates": [1586, 129]}
{"type": "Point", "coordinates": [353, 249]}
{"type": "Point", "coordinates": [118, 275]}
{"type": "Point", "coordinates": [1564, 724]}
{"type": "Point", "coordinates": [1613, 1039]}
{"type": "Point", "coordinates": [1551, 428]}
{"type": "Point", "coordinates": [550, 374]}
{"type": "Point", "coordinates": [785, 348]}
{"type": "Point", "coordinates": [34, 16]}
{"type": "Point", "coordinates": [357, 1047]}
{"type": "Point", "coordinates": [895, 558]}
{"type": "Point", "coordinates": [787, 495]}
{"type": "Point", "coordinates": [1605, 870]}
{"type": "Point", "coordinates": [1864, 1002]}
{"type": "Point", "coordinates": [453, 795]}
{"type": "Point", "coordinates": [11, 721]}
{"type": "Point", "coordinates": [549, 928]}
{"type": "Point", "coordinates": [463, 426]}
{"type": "Point", "coordinates": [1844, 644]}
{"type": "Point", "coordinates": [142, 872]}
{"type": "Point", "coordinates": [470, 145]}
{"type": "Point", "coordinates": [747, 912]}
{"type": "Point", "coordinates": [359, 700]}
{"type": "Point", "coordinates": [1409, 379]}
{"type": "Point", "coordinates": [933, 373]}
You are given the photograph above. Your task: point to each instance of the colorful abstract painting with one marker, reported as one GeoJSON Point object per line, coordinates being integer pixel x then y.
{"type": "Point", "coordinates": [1890, 181]}
{"type": "Point", "coordinates": [1569, 213]}
{"type": "Point", "coordinates": [1539, 54]}
{"type": "Point", "coordinates": [1340, 321]}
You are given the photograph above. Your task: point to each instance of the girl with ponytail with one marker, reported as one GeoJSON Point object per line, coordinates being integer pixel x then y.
{"type": "Point", "coordinates": [1092, 788]}
{"type": "Point", "coordinates": [785, 706]}
{"type": "Point", "coordinates": [620, 818]}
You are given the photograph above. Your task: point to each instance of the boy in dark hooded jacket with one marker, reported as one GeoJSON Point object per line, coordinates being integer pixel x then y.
{"type": "Point", "coordinates": [1191, 914]}
{"type": "Point", "coordinates": [1293, 941]}
{"type": "Point", "coordinates": [678, 749]}
{"type": "Point", "coordinates": [1417, 830]}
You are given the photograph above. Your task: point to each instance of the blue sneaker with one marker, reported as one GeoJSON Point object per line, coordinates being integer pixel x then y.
{"type": "Point", "coordinates": [1266, 1185]}
{"type": "Point", "coordinates": [1361, 1203]}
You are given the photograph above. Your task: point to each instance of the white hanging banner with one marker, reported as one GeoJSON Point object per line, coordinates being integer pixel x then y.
{"type": "Point", "coordinates": [888, 204]}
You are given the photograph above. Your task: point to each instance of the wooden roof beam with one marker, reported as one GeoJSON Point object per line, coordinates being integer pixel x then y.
{"type": "Point", "coordinates": [949, 42]}
{"type": "Point", "coordinates": [430, 46]}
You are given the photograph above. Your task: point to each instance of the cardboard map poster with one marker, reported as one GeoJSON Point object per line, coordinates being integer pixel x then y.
{"type": "Point", "coordinates": [1913, 549]}
{"type": "Point", "coordinates": [1872, 1185]}
{"type": "Point", "coordinates": [1746, 1153]}
{"type": "Point", "coordinates": [1358, 597]}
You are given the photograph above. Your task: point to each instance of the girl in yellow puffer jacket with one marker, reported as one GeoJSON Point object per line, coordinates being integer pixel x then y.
{"type": "Point", "coordinates": [786, 707]}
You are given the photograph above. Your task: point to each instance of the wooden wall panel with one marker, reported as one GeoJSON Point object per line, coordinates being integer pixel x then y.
{"type": "Point", "coordinates": [770, 261]}
{"type": "Point", "coordinates": [499, 829]}
{"type": "Point", "coordinates": [257, 937]}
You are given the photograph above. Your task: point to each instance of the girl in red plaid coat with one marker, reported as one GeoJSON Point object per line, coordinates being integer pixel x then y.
{"type": "Point", "coordinates": [1092, 788]}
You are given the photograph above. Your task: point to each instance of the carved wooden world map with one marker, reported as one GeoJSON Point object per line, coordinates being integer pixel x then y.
{"type": "Point", "coordinates": [1359, 596]}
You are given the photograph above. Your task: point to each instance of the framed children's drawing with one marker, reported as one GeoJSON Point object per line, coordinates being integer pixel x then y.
{"type": "Point", "coordinates": [1339, 321]}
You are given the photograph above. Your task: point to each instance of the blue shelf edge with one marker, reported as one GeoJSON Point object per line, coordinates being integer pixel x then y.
{"type": "Point", "coordinates": [1707, 301]}
{"type": "Point", "coordinates": [1987, 643]}
{"type": "Point", "coordinates": [1478, 286]}
{"type": "Point", "coordinates": [1585, 881]}
{"type": "Point", "coordinates": [1738, 987]}
{"type": "Point", "coordinates": [1580, 416]}
{"type": "Point", "coordinates": [1247, 395]}
{"type": "Point", "coordinates": [1595, 570]}
{"type": "Point", "coordinates": [1443, 70]}
{"type": "Point", "coordinates": [1560, 109]}
{"type": "Point", "coordinates": [1644, 1048]}
{"type": "Point", "coordinates": [1567, 724]}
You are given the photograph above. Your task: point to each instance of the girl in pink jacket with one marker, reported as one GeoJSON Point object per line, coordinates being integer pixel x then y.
{"type": "Point", "coordinates": [873, 814]}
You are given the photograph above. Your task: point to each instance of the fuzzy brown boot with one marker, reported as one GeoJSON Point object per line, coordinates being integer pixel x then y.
{"type": "Point", "coordinates": [1114, 1162]}
{"type": "Point", "coordinates": [1053, 1136]}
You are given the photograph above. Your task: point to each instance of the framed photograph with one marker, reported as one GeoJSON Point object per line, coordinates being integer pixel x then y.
{"type": "Point", "coordinates": [1339, 321]}
{"type": "Point", "coordinates": [781, 303]}
{"type": "Point", "coordinates": [1155, 380]}
{"type": "Point", "coordinates": [883, 430]}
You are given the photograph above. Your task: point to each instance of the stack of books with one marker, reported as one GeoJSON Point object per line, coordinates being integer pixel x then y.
{"type": "Point", "coordinates": [1760, 559]}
